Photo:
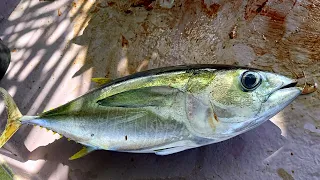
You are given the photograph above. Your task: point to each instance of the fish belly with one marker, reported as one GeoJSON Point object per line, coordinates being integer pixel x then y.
{"type": "Point", "coordinates": [118, 129]}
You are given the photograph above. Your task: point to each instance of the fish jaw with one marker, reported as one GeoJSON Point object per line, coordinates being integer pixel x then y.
{"type": "Point", "coordinates": [275, 103]}
{"type": "Point", "coordinates": [278, 100]}
{"type": "Point", "coordinates": [280, 97]}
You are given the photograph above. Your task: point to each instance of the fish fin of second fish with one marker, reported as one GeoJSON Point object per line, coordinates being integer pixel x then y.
{"type": "Point", "coordinates": [147, 96]}
{"type": "Point", "coordinates": [14, 116]}
{"type": "Point", "coordinates": [84, 151]}
{"type": "Point", "coordinates": [101, 81]}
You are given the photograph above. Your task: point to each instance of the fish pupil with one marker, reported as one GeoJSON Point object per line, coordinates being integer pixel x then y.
{"type": "Point", "coordinates": [250, 81]}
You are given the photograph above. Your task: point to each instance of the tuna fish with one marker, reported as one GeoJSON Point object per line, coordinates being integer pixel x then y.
{"type": "Point", "coordinates": [165, 110]}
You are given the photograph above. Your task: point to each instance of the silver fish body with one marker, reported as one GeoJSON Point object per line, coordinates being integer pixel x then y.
{"type": "Point", "coordinates": [169, 110]}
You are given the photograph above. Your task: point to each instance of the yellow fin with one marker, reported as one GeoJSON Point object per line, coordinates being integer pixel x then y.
{"type": "Point", "coordinates": [84, 151]}
{"type": "Point", "coordinates": [14, 117]}
{"type": "Point", "coordinates": [47, 110]}
{"type": "Point", "coordinates": [101, 81]}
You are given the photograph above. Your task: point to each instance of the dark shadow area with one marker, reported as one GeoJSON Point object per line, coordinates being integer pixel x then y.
{"type": "Point", "coordinates": [6, 8]}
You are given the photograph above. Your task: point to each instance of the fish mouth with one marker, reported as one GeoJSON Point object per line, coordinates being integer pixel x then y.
{"type": "Point", "coordinates": [281, 97]}
{"type": "Point", "coordinates": [289, 85]}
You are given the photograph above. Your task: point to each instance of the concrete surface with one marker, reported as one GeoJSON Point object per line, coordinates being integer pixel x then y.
{"type": "Point", "coordinates": [58, 46]}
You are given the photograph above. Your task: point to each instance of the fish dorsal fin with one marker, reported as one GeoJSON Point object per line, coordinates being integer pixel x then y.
{"type": "Point", "coordinates": [142, 97]}
{"type": "Point", "coordinates": [84, 151]}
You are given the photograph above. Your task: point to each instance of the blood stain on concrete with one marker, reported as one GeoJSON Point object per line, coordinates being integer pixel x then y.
{"type": "Point", "coordinates": [210, 10]}
{"type": "Point", "coordinates": [254, 7]}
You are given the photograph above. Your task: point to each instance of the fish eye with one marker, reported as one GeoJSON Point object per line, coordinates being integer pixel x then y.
{"type": "Point", "coordinates": [250, 80]}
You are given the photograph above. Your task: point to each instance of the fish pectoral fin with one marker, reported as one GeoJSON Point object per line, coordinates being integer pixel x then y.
{"type": "Point", "coordinates": [142, 97]}
{"type": "Point", "coordinates": [101, 81]}
{"type": "Point", "coordinates": [84, 151]}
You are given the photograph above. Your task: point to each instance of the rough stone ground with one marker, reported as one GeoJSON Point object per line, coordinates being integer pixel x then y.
{"type": "Point", "coordinates": [57, 46]}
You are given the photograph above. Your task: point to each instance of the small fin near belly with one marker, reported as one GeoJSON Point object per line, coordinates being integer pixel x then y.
{"type": "Point", "coordinates": [84, 151]}
{"type": "Point", "coordinates": [171, 150]}
{"type": "Point", "coordinates": [175, 147]}
{"type": "Point", "coordinates": [142, 97]}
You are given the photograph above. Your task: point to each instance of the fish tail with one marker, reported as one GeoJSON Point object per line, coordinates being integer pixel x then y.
{"type": "Point", "coordinates": [14, 116]}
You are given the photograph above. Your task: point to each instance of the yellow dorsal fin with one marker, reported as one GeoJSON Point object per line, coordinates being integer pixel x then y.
{"type": "Point", "coordinates": [84, 151]}
{"type": "Point", "coordinates": [101, 81]}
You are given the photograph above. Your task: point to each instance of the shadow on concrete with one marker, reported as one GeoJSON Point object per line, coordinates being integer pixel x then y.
{"type": "Point", "coordinates": [6, 8]}
{"type": "Point", "coordinates": [28, 88]}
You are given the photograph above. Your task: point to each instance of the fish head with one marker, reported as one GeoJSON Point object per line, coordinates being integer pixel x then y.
{"type": "Point", "coordinates": [242, 99]}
